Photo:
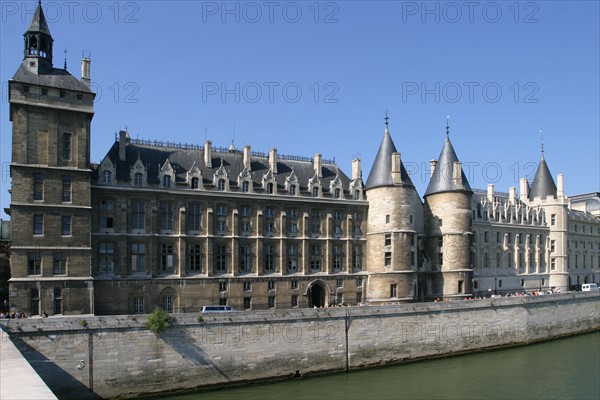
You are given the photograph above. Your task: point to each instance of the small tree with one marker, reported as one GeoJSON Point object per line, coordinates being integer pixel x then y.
{"type": "Point", "coordinates": [158, 321]}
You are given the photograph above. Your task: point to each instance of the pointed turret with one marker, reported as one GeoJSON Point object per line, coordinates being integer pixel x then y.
{"type": "Point", "coordinates": [446, 177]}
{"type": "Point", "coordinates": [543, 185]}
{"type": "Point", "coordinates": [38, 40]}
{"type": "Point", "coordinates": [381, 171]}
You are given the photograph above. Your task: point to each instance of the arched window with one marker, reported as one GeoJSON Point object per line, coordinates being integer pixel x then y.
{"type": "Point", "coordinates": [221, 185]}
{"type": "Point", "coordinates": [106, 177]}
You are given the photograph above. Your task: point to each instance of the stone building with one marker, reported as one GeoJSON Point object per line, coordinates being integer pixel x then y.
{"type": "Point", "coordinates": [183, 226]}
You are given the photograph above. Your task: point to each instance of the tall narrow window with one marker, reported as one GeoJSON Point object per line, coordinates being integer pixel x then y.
{"type": "Point", "coordinates": [138, 179]}
{"type": "Point", "coordinates": [167, 181]}
{"type": "Point", "coordinates": [337, 193]}
{"type": "Point", "coordinates": [221, 185]}
{"type": "Point", "coordinates": [195, 183]}
{"type": "Point", "coordinates": [60, 263]}
{"type": "Point", "coordinates": [138, 305]}
{"type": "Point", "coordinates": [166, 216]}
{"type": "Point", "coordinates": [194, 214]}
{"type": "Point", "coordinates": [315, 191]}
{"type": "Point", "coordinates": [195, 258]}
{"type": "Point", "coordinates": [34, 263]}
{"type": "Point", "coordinates": [166, 257]}
{"type": "Point", "coordinates": [292, 190]}
{"type": "Point", "coordinates": [57, 301]}
{"type": "Point", "coordinates": [35, 302]}
{"type": "Point", "coordinates": [38, 187]}
{"type": "Point", "coordinates": [245, 186]}
{"type": "Point", "coordinates": [138, 257]}
{"type": "Point", "coordinates": [168, 303]}
{"type": "Point", "coordinates": [269, 258]}
{"type": "Point", "coordinates": [221, 258]}
{"type": "Point", "coordinates": [106, 177]}
{"type": "Point", "coordinates": [269, 188]}
{"type": "Point", "coordinates": [66, 225]}
{"type": "Point", "coordinates": [66, 189]}
{"type": "Point", "coordinates": [106, 253]}
{"type": "Point", "coordinates": [66, 146]}
{"type": "Point", "coordinates": [393, 290]}
{"type": "Point", "coordinates": [138, 214]}
{"type": "Point", "coordinates": [38, 224]}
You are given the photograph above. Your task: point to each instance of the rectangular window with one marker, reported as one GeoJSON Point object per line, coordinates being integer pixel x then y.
{"type": "Point", "coordinates": [34, 263]}
{"type": "Point", "coordinates": [57, 301]}
{"type": "Point", "coordinates": [497, 237]}
{"type": "Point", "coordinates": [269, 257]}
{"type": "Point", "coordinates": [66, 189]}
{"type": "Point", "coordinates": [294, 284]}
{"type": "Point", "coordinates": [295, 301]}
{"type": "Point", "coordinates": [358, 298]}
{"type": "Point", "coordinates": [195, 258]}
{"type": "Point", "coordinates": [356, 257]}
{"type": "Point", "coordinates": [271, 285]}
{"type": "Point", "coordinates": [66, 225]}
{"type": "Point", "coordinates": [461, 286]}
{"type": "Point", "coordinates": [106, 255]}
{"type": "Point", "coordinates": [553, 221]}
{"type": "Point", "coordinates": [166, 257]}
{"type": "Point", "coordinates": [138, 305]}
{"type": "Point", "coordinates": [138, 257]}
{"type": "Point", "coordinates": [387, 218]}
{"type": "Point", "coordinates": [38, 187]}
{"type": "Point", "coordinates": [388, 239]}
{"type": "Point", "coordinates": [66, 146]}
{"type": "Point", "coordinates": [245, 258]}
{"type": "Point", "coordinates": [393, 290]}
{"type": "Point", "coordinates": [194, 215]}
{"type": "Point", "coordinates": [247, 303]}
{"type": "Point", "coordinates": [293, 228]}
{"type": "Point", "coordinates": [485, 237]}
{"type": "Point", "coordinates": [138, 215]}
{"type": "Point", "coordinates": [106, 222]}
{"type": "Point", "coordinates": [387, 258]}
{"type": "Point", "coordinates": [166, 216]}
{"type": "Point", "coordinates": [245, 211]}
{"type": "Point", "coordinates": [167, 303]}
{"type": "Point", "coordinates": [38, 224]}
{"type": "Point", "coordinates": [247, 286]}
{"type": "Point", "coordinates": [221, 258]}
{"type": "Point", "coordinates": [222, 286]}
{"type": "Point", "coordinates": [221, 210]}
{"type": "Point", "coordinates": [339, 283]}
{"type": "Point", "coordinates": [552, 246]}
{"type": "Point", "coordinates": [271, 302]}
{"type": "Point", "coordinates": [222, 226]}
{"type": "Point", "coordinates": [60, 263]}
{"type": "Point", "coordinates": [359, 282]}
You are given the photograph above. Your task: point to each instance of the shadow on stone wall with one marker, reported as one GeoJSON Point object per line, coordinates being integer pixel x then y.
{"type": "Point", "coordinates": [62, 384]}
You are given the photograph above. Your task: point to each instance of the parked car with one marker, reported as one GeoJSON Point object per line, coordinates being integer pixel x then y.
{"type": "Point", "coordinates": [589, 287]}
{"type": "Point", "coordinates": [209, 309]}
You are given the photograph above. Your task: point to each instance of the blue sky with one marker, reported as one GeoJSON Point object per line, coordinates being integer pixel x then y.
{"type": "Point", "coordinates": [308, 77]}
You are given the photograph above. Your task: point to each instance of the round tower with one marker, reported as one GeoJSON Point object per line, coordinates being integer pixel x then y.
{"type": "Point", "coordinates": [395, 221]}
{"type": "Point", "coordinates": [448, 228]}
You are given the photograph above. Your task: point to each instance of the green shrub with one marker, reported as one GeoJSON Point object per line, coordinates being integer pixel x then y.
{"type": "Point", "coordinates": [158, 321]}
{"type": "Point", "coordinates": [83, 323]}
{"type": "Point", "coordinates": [200, 319]}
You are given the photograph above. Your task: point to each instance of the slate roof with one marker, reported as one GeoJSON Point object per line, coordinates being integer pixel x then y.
{"type": "Point", "coordinates": [38, 23]}
{"type": "Point", "coordinates": [543, 185]}
{"type": "Point", "coordinates": [441, 180]}
{"type": "Point", "coordinates": [381, 171]}
{"type": "Point", "coordinates": [182, 160]}
{"type": "Point", "coordinates": [582, 216]}
{"type": "Point", "coordinates": [49, 76]}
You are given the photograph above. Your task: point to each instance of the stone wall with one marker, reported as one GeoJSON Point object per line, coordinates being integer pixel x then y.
{"type": "Point", "coordinates": [115, 356]}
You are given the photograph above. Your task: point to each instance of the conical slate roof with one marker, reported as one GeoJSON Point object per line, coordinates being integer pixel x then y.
{"type": "Point", "coordinates": [543, 185]}
{"type": "Point", "coordinates": [381, 171]}
{"type": "Point", "coordinates": [441, 180]}
{"type": "Point", "coordinates": [38, 23]}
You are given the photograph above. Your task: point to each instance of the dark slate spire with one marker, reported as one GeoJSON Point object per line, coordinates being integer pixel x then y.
{"type": "Point", "coordinates": [381, 171]}
{"type": "Point", "coordinates": [543, 185]}
{"type": "Point", "coordinates": [442, 178]}
{"type": "Point", "coordinates": [38, 40]}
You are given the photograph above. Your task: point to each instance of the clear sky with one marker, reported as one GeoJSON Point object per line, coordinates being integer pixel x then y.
{"type": "Point", "coordinates": [318, 77]}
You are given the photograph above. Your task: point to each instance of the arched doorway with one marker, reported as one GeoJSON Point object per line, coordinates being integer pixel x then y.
{"type": "Point", "coordinates": [317, 294]}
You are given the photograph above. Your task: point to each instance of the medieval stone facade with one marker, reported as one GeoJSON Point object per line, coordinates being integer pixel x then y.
{"type": "Point", "coordinates": [158, 224]}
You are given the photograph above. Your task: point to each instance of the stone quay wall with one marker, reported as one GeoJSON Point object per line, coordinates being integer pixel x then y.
{"type": "Point", "coordinates": [117, 356]}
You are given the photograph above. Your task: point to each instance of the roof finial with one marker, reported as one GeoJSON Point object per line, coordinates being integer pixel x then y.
{"type": "Point", "coordinates": [542, 142]}
{"type": "Point", "coordinates": [386, 119]}
{"type": "Point", "coordinates": [447, 126]}
{"type": "Point", "coordinates": [65, 59]}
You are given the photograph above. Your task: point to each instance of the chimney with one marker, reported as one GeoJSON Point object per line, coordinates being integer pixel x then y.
{"type": "Point", "coordinates": [490, 193]}
{"type": "Point", "coordinates": [512, 195]}
{"type": "Point", "coordinates": [432, 165]}
{"type": "Point", "coordinates": [356, 169]}
{"type": "Point", "coordinates": [247, 159]}
{"type": "Point", "coordinates": [85, 71]}
{"type": "Point", "coordinates": [396, 174]}
{"type": "Point", "coordinates": [560, 185]}
{"type": "Point", "coordinates": [123, 140]}
{"type": "Point", "coordinates": [273, 160]}
{"type": "Point", "coordinates": [523, 190]}
{"type": "Point", "coordinates": [208, 154]}
{"type": "Point", "coordinates": [317, 165]}
{"type": "Point", "coordinates": [457, 172]}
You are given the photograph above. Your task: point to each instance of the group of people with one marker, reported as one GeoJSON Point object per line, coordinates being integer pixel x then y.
{"type": "Point", "coordinates": [18, 315]}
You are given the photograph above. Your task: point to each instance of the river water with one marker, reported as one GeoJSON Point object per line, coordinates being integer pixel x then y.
{"type": "Point", "coordinates": [561, 369]}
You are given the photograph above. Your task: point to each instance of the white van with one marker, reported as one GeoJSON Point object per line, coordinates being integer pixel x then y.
{"type": "Point", "coordinates": [209, 309]}
{"type": "Point", "coordinates": [589, 287]}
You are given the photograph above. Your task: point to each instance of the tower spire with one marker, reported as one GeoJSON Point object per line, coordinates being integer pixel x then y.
{"type": "Point", "coordinates": [447, 126]}
{"type": "Point", "coordinates": [38, 41]}
{"type": "Point", "coordinates": [542, 142]}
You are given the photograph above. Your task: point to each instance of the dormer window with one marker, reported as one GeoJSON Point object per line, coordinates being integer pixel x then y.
{"type": "Point", "coordinates": [245, 186]}
{"type": "Point", "coordinates": [337, 193]}
{"type": "Point", "coordinates": [106, 177]}
{"type": "Point", "coordinates": [221, 185]}
{"type": "Point", "coordinates": [138, 179]}
{"type": "Point", "coordinates": [292, 190]}
{"type": "Point", "coordinates": [315, 191]}
{"type": "Point", "coordinates": [269, 188]}
{"type": "Point", "coordinates": [166, 181]}
{"type": "Point", "coordinates": [195, 183]}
